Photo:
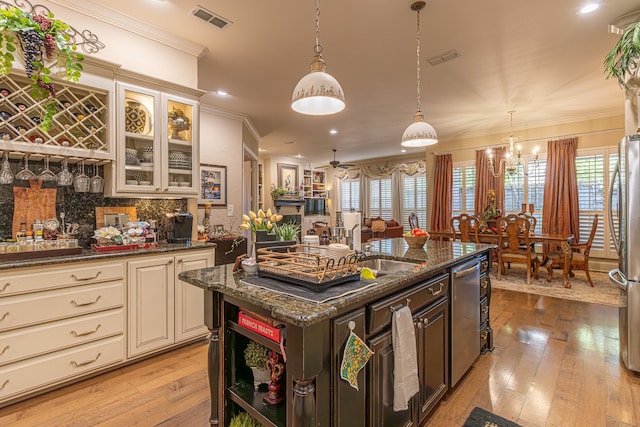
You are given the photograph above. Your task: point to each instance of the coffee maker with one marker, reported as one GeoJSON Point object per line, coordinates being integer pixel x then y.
{"type": "Point", "coordinates": [179, 226]}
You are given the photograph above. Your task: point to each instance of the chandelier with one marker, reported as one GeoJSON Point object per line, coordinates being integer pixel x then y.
{"type": "Point", "coordinates": [318, 93]}
{"type": "Point", "coordinates": [419, 133]}
{"type": "Point", "coordinates": [512, 157]}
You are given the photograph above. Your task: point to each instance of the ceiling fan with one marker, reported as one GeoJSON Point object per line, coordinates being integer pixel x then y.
{"type": "Point", "coordinates": [336, 163]}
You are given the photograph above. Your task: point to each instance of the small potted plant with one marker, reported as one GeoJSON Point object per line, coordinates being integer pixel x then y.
{"type": "Point", "coordinates": [244, 420]}
{"type": "Point", "coordinates": [255, 356]}
{"type": "Point", "coordinates": [287, 231]}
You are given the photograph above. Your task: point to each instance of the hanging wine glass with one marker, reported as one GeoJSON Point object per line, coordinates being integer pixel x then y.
{"type": "Point", "coordinates": [6, 174]}
{"type": "Point", "coordinates": [97, 182]}
{"type": "Point", "coordinates": [65, 177]}
{"type": "Point", "coordinates": [81, 181]}
{"type": "Point", "coordinates": [47, 175]}
{"type": "Point", "coordinates": [26, 174]}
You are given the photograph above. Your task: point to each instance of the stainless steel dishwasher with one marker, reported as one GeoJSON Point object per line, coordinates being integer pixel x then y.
{"type": "Point", "coordinates": [465, 318]}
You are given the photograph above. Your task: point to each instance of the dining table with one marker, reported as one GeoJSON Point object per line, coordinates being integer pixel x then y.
{"type": "Point", "coordinates": [564, 241]}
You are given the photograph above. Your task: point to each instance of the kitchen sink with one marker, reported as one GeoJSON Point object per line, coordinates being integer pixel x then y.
{"type": "Point", "coordinates": [388, 266]}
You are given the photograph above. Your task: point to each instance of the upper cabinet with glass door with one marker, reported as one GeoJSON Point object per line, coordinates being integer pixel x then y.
{"type": "Point", "coordinates": [157, 152]}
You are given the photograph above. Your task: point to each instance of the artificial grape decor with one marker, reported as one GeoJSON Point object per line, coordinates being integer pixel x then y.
{"type": "Point", "coordinates": [40, 39]}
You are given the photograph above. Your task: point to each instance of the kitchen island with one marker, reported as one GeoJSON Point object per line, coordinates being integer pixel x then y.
{"type": "Point", "coordinates": [314, 335]}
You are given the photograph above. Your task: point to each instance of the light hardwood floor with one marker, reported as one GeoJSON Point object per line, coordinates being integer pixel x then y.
{"type": "Point", "coordinates": [556, 363]}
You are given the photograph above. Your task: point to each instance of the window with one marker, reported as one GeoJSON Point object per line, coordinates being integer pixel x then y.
{"type": "Point", "coordinates": [526, 186]}
{"type": "Point", "coordinates": [350, 195]}
{"type": "Point", "coordinates": [464, 188]}
{"type": "Point", "coordinates": [380, 198]}
{"type": "Point", "coordinates": [414, 199]}
{"type": "Point", "coordinates": [593, 172]}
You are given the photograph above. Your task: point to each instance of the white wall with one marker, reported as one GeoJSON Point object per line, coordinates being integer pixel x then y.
{"type": "Point", "coordinates": [221, 144]}
{"type": "Point", "coordinates": [128, 44]}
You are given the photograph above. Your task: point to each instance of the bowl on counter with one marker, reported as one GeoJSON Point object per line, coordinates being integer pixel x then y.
{"type": "Point", "coordinates": [416, 242]}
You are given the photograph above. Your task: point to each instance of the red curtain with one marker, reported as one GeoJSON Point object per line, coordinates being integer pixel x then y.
{"type": "Point", "coordinates": [442, 193]}
{"type": "Point", "coordinates": [485, 180]}
{"type": "Point", "coordinates": [560, 212]}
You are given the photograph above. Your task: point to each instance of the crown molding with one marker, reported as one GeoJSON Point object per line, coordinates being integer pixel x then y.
{"type": "Point", "coordinates": [128, 23]}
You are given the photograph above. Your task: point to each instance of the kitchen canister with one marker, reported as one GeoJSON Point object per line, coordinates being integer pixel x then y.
{"type": "Point", "coordinates": [311, 241]}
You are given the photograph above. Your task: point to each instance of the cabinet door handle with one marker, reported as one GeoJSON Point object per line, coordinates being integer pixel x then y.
{"type": "Point", "coordinates": [3, 316]}
{"type": "Point", "coordinates": [82, 304]}
{"type": "Point", "coordinates": [157, 188]}
{"type": "Point", "coordinates": [84, 279]}
{"type": "Point", "coordinates": [485, 309]}
{"type": "Point", "coordinates": [425, 322]}
{"type": "Point", "coordinates": [418, 324]}
{"type": "Point", "coordinates": [484, 263]}
{"type": "Point", "coordinates": [4, 384]}
{"type": "Point", "coordinates": [4, 350]}
{"type": "Point", "coordinates": [86, 362]}
{"type": "Point", "coordinates": [166, 188]}
{"type": "Point", "coordinates": [179, 260]}
{"type": "Point", "coordinates": [484, 283]}
{"type": "Point", "coordinates": [82, 334]}
{"type": "Point", "coordinates": [483, 335]}
{"type": "Point", "coordinates": [170, 261]}
{"type": "Point", "coordinates": [438, 291]}
{"type": "Point", "coordinates": [5, 286]}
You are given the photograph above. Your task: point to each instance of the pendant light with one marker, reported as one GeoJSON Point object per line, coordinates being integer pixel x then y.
{"type": "Point", "coordinates": [419, 133]}
{"type": "Point", "coordinates": [318, 93]}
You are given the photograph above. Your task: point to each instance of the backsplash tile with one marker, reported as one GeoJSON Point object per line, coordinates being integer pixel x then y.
{"type": "Point", "coordinates": [80, 207]}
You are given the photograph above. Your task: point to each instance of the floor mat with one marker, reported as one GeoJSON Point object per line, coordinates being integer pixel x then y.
{"type": "Point", "coordinates": [481, 418]}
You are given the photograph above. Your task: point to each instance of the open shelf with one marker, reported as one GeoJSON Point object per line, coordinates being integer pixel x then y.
{"type": "Point", "coordinates": [251, 402]}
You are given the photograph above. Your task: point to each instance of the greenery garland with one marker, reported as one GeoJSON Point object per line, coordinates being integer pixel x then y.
{"type": "Point", "coordinates": [624, 58]}
{"type": "Point", "coordinates": [40, 39]}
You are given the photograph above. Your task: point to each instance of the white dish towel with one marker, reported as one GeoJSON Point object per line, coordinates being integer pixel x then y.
{"type": "Point", "coordinates": [405, 359]}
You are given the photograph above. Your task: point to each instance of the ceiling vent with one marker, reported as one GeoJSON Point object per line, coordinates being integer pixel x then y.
{"type": "Point", "coordinates": [210, 17]}
{"type": "Point", "coordinates": [443, 57]}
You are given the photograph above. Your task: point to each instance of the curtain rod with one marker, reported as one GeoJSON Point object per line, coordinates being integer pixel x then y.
{"type": "Point", "coordinates": [547, 138]}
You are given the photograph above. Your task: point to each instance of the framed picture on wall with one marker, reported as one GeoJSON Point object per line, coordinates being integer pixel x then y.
{"type": "Point", "coordinates": [213, 185]}
{"type": "Point", "coordinates": [288, 177]}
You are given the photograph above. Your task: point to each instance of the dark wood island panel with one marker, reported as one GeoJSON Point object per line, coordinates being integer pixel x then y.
{"type": "Point", "coordinates": [315, 335]}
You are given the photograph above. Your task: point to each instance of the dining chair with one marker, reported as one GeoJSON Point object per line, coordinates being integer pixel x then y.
{"type": "Point", "coordinates": [413, 220]}
{"type": "Point", "coordinates": [467, 226]}
{"type": "Point", "coordinates": [514, 245]}
{"type": "Point", "coordinates": [580, 256]}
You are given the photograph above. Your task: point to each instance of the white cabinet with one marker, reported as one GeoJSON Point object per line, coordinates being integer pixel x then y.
{"type": "Point", "coordinates": [58, 324]}
{"type": "Point", "coordinates": [313, 184]}
{"type": "Point", "coordinates": [189, 302]}
{"type": "Point", "coordinates": [157, 150]}
{"type": "Point", "coordinates": [162, 309]}
{"type": "Point", "coordinates": [151, 302]}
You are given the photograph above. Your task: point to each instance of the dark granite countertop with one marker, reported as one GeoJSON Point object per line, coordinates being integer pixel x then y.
{"type": "Point", "coordinates": [299, 312]}
{"type": "Point", "coordinates": [92, 255]}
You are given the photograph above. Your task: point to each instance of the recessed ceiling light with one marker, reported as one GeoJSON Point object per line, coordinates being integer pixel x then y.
{"type": "Point", "coordinates": [299, 156]}
{"type": "Point", "coordinates": [262, 150]}
{"type": "Point", "coordinates": [403, 151]}
{"type": "Point", "coordinates": [222, 92]}
{"type": "Point", "coordinates": [589, 8]}
{"type": "Point", "coordinates": [333, 131]}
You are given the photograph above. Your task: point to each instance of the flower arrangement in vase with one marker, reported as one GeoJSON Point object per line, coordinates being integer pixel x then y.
{"type": "Point", "coordinates": [43, 42]}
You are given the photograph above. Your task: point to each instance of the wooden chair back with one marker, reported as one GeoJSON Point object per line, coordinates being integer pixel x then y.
{"type": "Point", "coordinates": [467, 226]}
{"type": "Point", "coordinates": [413, 220]}
{"type": "Point", "coordinates": [532, 219]}
{"type": "Point", "coordinates": [513, 235]}
{"type": "Point", "coordinates": [592, 235]}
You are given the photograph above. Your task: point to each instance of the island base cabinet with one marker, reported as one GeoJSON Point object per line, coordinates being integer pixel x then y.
{"type": "Point", "coordinates": [433, 349]}
{"type": "Point", "coordinates": [380, 386]}
{"type": "Point", "coordinates": [349, 404]}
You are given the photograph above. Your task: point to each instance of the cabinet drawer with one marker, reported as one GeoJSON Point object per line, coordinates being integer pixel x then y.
{"type": "Point", "coordinates": [73, 274]}
{"type": "Point", "coordinates": [485, 282]}
{"type": "Point", "coordinates": [418, 296]}
{"type": "Point", "coordinates": [38, 340]}
{"type": "Point", "coordinates": [484, 310]}
{"type": "Point", "coordinates": [45, 370]}
{"type": "Point", "coordinates": [484, 263]}
{"type": "Point", "coordinates": [486, 338]}
{"type": "Point", "coordinates": [19, 311]}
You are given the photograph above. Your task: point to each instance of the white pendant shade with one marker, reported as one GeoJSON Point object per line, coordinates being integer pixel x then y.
{"type": "Point", "coordinates": [419, 133]}
{"type": "Point", "coordinates": [318, 93]}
